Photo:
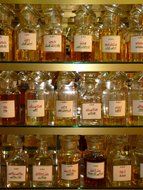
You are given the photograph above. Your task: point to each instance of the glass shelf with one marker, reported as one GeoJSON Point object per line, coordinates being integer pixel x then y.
{"type": "Point", "coordinates": [71, 66]}
{"type": "Point", "coordinates": [71, 130]}
{"type": "Point", "coordinates": [73, 1]}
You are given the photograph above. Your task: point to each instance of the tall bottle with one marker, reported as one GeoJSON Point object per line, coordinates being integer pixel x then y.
{"type": "Point", "coordinates": [111, 36]}
{"type": "Point", "coordinates": [95, 162]}
{"type": "Point", "coordinates": [9, 99]}
{"type": "Point", "coordinates": [42, 170]}
{"type": "Point", "coordinates": [53, 40]}
{"type": "Point", "coordinates": [83, 42]}
{"type": "Point", "coordinates": [27, 35]}
{"type": "Point", "coordinates": [120, 163]}
{"type": "Point", "coordinates": [69, 162]}
{"type": "Point", "coordinates": [35, 101]}
{"type": "Point", "coordinates": [90, 102]}
{"type": "Point", "coordinates": [17, 167]}
{"type": "Point", "coordinates": [2, 167]}
{"type": "Point", "coordinates": [66, 100]}
{"type": "Point", "coordinates": [6, 34]}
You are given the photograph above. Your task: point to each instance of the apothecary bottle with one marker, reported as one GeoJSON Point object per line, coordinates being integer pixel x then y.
{"type": "Point", "coordinates": [27, 35]}
{"type": "Point", "coordinates": [69, 162]}
{"type": "Point", "coordinates": [111, 35]}
{"type": "Point", "coordinates": [95, 162]}
{"type": "Point", "coordinates": [90, 102]}
{"type": "Point", "coordinates": [83, 42]}
{"type": "Point", "coordinates": [35, 101]}
{"type": "Point", "coordinates": [6, 34]}
{"type": "Point", "coordinates": [9, 99]}
{"type": "Point", "coordinates": [2, 167]}
{"type": "Point", "coordinates": [42, 169]}
{"type": "Point", "coordinates": [66, 100]}
{"type": "Point", "coordinates": [120, 163]}
{"type": "Point", "coordinates": [17, 170]}
{"type": "Point", "coordinates": [53, 41]}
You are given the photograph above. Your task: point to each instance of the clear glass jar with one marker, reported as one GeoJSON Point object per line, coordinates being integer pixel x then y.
{"type": "Point", "coordinates": [27, 35]}
{"type": "Point", "coordinates": [95, 162]}
{"type": "Point", "coordinates": [69, 162]}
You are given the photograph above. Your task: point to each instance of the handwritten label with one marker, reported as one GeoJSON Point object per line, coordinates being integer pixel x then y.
{"type": "Point", "coordinates": [27, 41]}
{"type": "Point", "coordinates": [16, 173]}
{"type": "Point", "coordinates": [36, 108]}
{"type": "Point", "coordinates": [122, 173]}
{"type": "Point", "coordinates": [4, 43]}
{"type": "Point", "coordinates": [117, 108]}
{"type": "Point", "coordinates": [69, 172]}
{"type": "Point", "coordinates": [91, 111]}
{"type": "Point", "coordinates": [137, 44]}
{"type": "Point", "coordinates": [138, 107]}
{"type": "Point", "coordinates": [83, 43]}
{"type": "Point", "coordinates": [53, 43]}
{"type": "Point", "coordinates": [7, 109]}
{"type": "Point", "coordinates": [95, 170]}
{"type": "Point", "coordinates": [111, 44]}
{"type": "Point", "coordinates": [64, 109]}
{"type": "Point", "coordinates": [42, 173]}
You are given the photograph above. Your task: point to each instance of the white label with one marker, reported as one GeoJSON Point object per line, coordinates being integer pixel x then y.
{"type": "Point", "coordinates": [27, 41]}
{"type": "Point", "coordinates": [16, 173]}
{"type": "Point", "coordinates": [91, 111]}
{"type": "Point", "coordinates": [69, 172]}
{"type": "Point", "coordinates": [36, 108]}
{"type": "Point", "coordinates": [7, 109]}
{"type": "Point", "coordinates": [111, 44]}
{"type": "Point", "coordinates": [64, 109]}
{"type": "Point", "coordinates": [53, 43]}
{"type": "Point", "coordinates": [137, 44]}
{"type": "Point", "coordinates": [4, 43]}
{"type": "Point", "coordinates": [95, 170]}
{"type": "Point", "coordinates": [141, 170]}
{"type": "Point", "coordinates": [117, 108]}
{"type": "Point", "coordinates": [42, 173]}
{"type": "Point", "coordinates": [138, 107]}
{"type": "Point", "coordinates": [122, 173]}
{"type": "Point", "coordinates": [83, 43]}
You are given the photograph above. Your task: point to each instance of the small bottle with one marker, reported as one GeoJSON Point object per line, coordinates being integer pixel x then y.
{"type": "Point", "coordinates": [6, 34]}
{"type": "Point", "coordinates": [42, 169]}
{"type": "Point", "coordinates": [27, 35]}
{"type": "Point", "coordinates": [83, 43]}
{"type": "Point", "coordinates": [17, 170]}
{"type": "Point", "coordinates": [35, 101]}
{"type": "Point", "coordinates": [69, 162]}
{"type": "Point", "coordinates": [9, 99]}
{"type": "Point", "coordinates": [90, 102]}
{"type": "Point", "coordinates": [120, 163]}
{"type": "Point", "coordinates": [95, 162]}
{"type": "Point", "coordinates": [66, 100]}
{"type": "Point", "coordinates": [53, 41]}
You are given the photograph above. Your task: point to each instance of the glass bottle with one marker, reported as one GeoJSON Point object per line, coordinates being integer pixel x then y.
{"type": "Point", "coordinates": [6, 34]}
{"type": "Point", "coordinates": [53, 40]}
{"type": "Point", "coordinates": [27, 35]}
{"type": "Point", "coordinates": [42, 169]}
{"type": "Point", "coordinates": [83, 42]}
{"type": "Point", "coordinates": [35, 101]}
{"type": "Point", "coordinates": [2, 167]}
{"type": "Point", "coordinates": [66, 100]}
{"type": "Point", "coordinates": [114, 100]}
{"type": "Point", "coordinates": [111, 36]}
{"type": "Point", "coordinates": [17, 170]}
{"type": "Point", "coordinates": [95, 162]}
{"type": "Point", "coordinates": [9, 99]}
{"type": "Point", "coordinates": [120, 163]}
{"type": "Point", "coordinates": [69, 162]}
{"type": "Point", "coordinates": [90, 102]}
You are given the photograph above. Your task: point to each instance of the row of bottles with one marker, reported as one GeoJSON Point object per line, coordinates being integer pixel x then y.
{"type": "Point", "coordinates": [116, 35]}
{"type": "Point", "coordinates": [90, 161]}
{"type": "Point", "coordinates": [71, 99]}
